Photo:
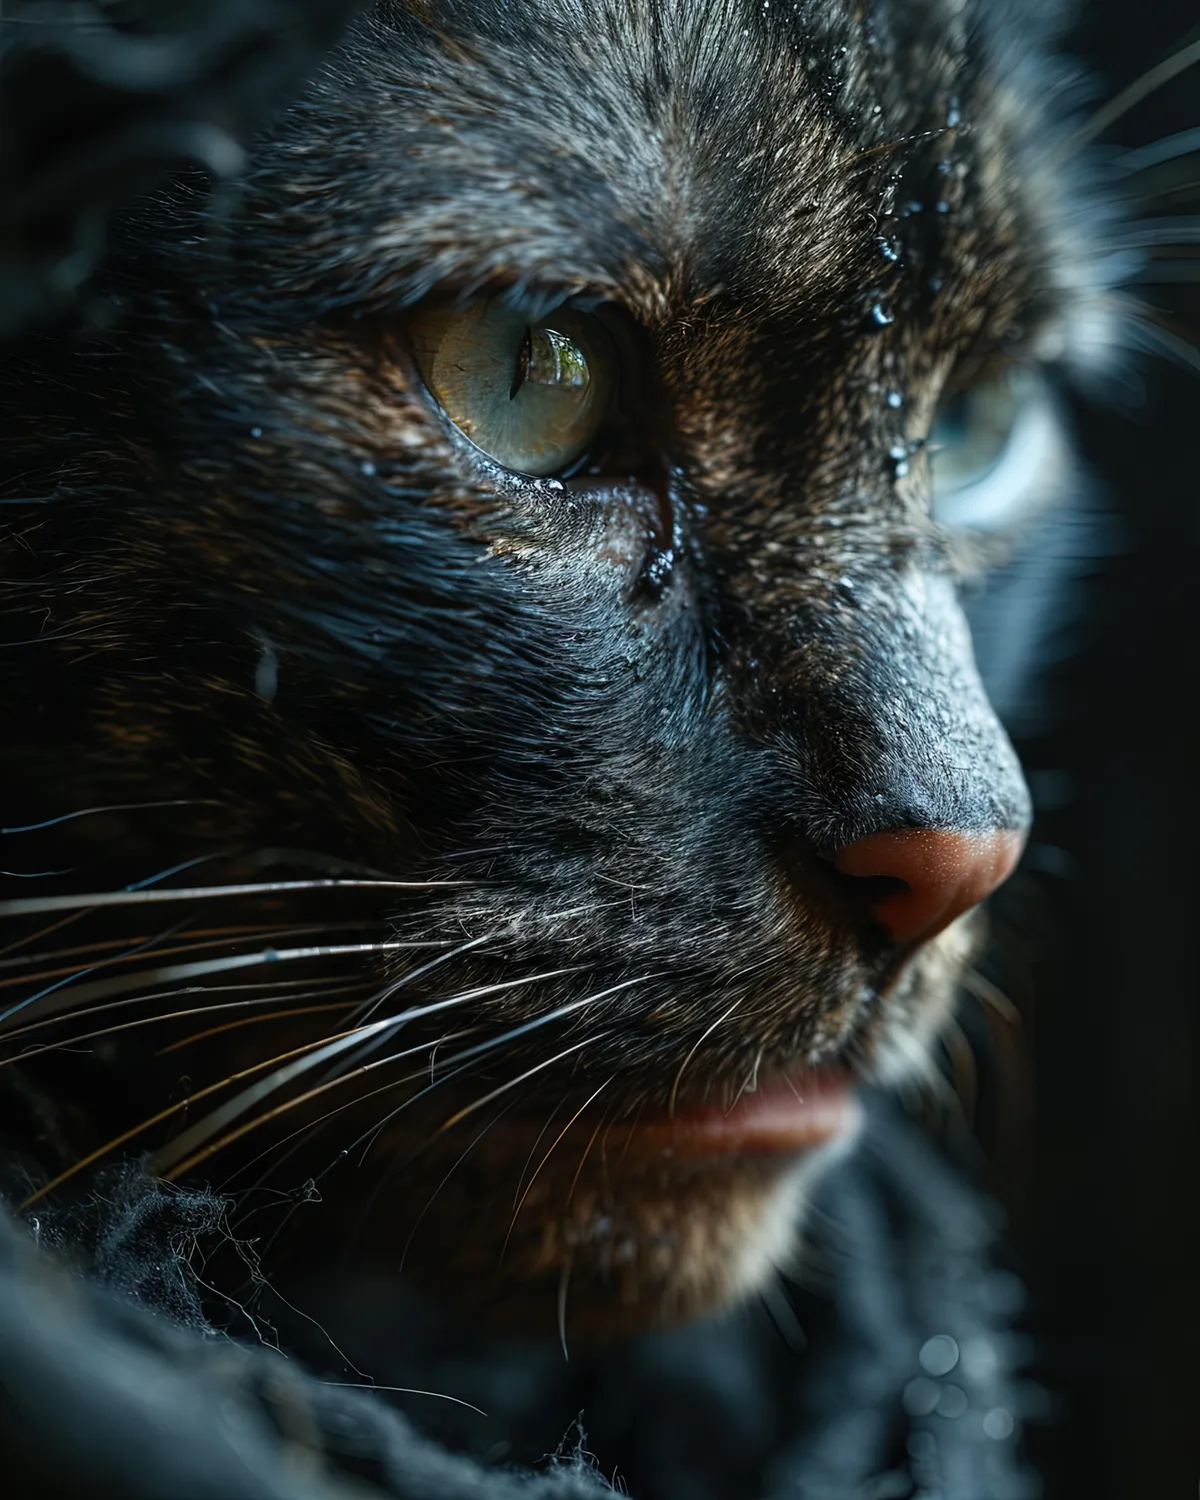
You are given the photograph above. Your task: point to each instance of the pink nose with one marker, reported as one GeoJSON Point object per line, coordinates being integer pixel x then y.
{"type": "Point", "coordinates": [943, 874]}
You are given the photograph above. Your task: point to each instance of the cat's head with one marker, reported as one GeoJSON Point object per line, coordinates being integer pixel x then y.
{"type": "Point", "coordinates": [551, 470]}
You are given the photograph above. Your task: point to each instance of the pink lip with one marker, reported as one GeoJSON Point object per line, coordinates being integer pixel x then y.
{"type": "Point", "coordinates": [783, 1116]}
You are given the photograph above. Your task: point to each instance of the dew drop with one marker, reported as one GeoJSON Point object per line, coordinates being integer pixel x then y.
{"type": "Point", "coordinates": [880, 316]}
{"type": "Point", "coordinates": [895, 400]}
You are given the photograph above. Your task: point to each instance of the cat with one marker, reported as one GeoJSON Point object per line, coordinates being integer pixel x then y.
{"type": "Point", "coordinates": [496, 565]}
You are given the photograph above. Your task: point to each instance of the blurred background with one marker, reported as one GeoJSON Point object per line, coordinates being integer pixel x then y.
{"type": "Point", "coordinates": [1102, 1190]}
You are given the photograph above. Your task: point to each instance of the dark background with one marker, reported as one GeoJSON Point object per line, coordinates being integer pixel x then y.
{"type": "Point", "coordinates": [1102, 1192]}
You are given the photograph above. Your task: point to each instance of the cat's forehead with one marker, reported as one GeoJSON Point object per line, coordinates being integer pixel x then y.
{"type": "Point", "coordinates": [773, 154]}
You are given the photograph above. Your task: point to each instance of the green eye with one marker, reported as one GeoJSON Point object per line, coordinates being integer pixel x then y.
{"type": "Point", "coordinates": [532, 396]}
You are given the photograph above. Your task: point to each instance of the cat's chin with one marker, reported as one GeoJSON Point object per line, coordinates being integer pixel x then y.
{"type": "Point", "coordinates": [607, 1232]}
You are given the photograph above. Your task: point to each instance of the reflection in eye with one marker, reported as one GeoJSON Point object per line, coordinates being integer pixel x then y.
{"type": "Point", "coordinates": [531, 396]}
{"type": "Point", "coordinates": [995, 449]}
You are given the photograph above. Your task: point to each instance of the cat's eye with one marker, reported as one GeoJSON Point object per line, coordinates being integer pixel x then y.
{"type": "Point", "coordinates": [995, 447]}
{"type": "Point", "coordinates": [532, 395]}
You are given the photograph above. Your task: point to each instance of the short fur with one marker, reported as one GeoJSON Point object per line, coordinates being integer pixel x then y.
{"type": "Point", "coordinates": [635, 717]}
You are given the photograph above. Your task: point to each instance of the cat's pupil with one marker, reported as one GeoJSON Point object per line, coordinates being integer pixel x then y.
{"type": "Point", "coordinates": [548, 357]}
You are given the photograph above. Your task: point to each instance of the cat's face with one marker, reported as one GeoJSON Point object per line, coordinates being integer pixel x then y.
{"type": "Point", "coordinates": [523, 479]}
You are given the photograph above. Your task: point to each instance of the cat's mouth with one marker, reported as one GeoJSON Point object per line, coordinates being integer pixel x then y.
{"type": "Point", "coordinates": [784, 1115]}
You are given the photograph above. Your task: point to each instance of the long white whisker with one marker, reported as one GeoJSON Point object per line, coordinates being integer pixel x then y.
{"type": "Point", "coordinates": [514, 1082]}
{"type": "Point", "coordinates": [1169, 148]}
{"type": "Point", "coordinates": [185, 1144]}
{"type": "Point", "coordinates": [170, 1015]}
{"type": "Point", "coordinates": [136, 947]}
{"type": "Point", "coordinates": [591, 1099]}
{"type": "Point", "coordinates": [492, 1044]}
{"type": "Point", "coordinates": [695, 1047]}
{"type": "Point", "coordinates": [1153, 78]}
{"type": "Point", "coordinates": [316, 986]}
{"type": "Point", "coordinates": [101, 989]}
{"type": "Point", "coordinates": [28, 905]}
{"type": "Point", "coordinates": [389, 990]}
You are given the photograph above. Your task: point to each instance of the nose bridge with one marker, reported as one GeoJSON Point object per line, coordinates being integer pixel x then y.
{"type": "Point", "coordinates": [882, 721]}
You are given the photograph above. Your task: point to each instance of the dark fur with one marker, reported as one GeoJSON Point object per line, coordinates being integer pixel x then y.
{"type": "Point", "coordinates": [639, 716]}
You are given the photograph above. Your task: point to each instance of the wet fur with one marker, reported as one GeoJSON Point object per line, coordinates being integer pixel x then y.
{"type": "Point", "coordinates": [636, 718]}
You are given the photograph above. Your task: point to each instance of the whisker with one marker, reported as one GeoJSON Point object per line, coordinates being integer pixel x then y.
{"type": "Point", "coordinates": [1145, 233]}
{"type": "Point", "coordinates": [144, 1125]}
{"type": "Point", "coordinates": [137, 947]}
{"type": "Point", "coordinates": [696, 1045]}
{"type": "Point", "coordinates": [586, 1152]}
{"type": "Point", "coordinates": [515, 1082]}
{"type": "Point", "coordinates": [589, 1100]}
{"type": "Point", "coordinates": [1169, 273]}
{"type": "Point", "coordinates": [989, 994]}
{"type": "Point", "coordinates": [1144, 330]}
{"type": "Point", "coordinates": [405, 979]}
{"type": "Point", "coordinates": [31, 905]}
{"type": "Point", "coordinates": [1154, 78]}
{"type": "Point", "coordinates": [271, 1015]}
{"type": "Point", "coordinates": [962, 1062]}
{"type": "Point", "coordinates": [1169, 148]}
{"type": "Point", "coordinates": [564, 1281]}
{"type": "Point", "coordinates": [310, 1127]}
{"type": "Point", "coordinates": [404, 1390]}
{"type": "Point", "coordinates": [171, 1015]}
{"type": "Point", "coordinates": [35, 937]}
{"type": "Point", "coordinates": [73, 973]}
{"type": "Point", "coordinates": [181, 1168]}
{"type": "Point", "coordinates": [101, 989]}
{"type": "Point", "coordinates": [486, 1047]}
{"type": "Point", "coordinates": [170, 1154]}
{"type": "Point", "coordinates": [458, 1161]}
{"type": "Point", "coordinates": [87, 812]}
{"type": "Point", "coordinates": [536, 1143]}
{"type": "Point", "coordinates": [316, 986]}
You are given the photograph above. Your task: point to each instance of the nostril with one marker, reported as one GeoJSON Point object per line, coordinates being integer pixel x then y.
{"type": "Point", "coordinates": [918, 880]}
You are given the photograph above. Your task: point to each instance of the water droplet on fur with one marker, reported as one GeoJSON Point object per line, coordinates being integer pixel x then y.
{"type": "Point", "coordinates": [888, 250]}
{"type": "Point", "coordinates": [880, 316]}
{"type": "Point", "coordinates": [953, 115]}
{"type": "Point", "coordinates": [256, 432]}
{"type": "Point", "coordinates": [367, 467]}
{"type": "Point", "coordinates": [895, 400]}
